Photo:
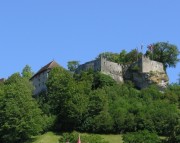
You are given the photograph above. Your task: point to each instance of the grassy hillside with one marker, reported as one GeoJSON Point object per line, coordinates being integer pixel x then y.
{"type": "Point", "coordinates": [51, 137]}
{"type": "Point", "coordinates": [113, 138]}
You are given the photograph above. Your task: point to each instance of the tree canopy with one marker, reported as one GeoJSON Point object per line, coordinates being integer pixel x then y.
{"type": "Point", "coordinates": [165, 53]}
{"type": "Point", "coordinates": [73, 65]}
{"type": "Point", "coordinates": [27, 72]}
{"type": "Point", "coordinates": [20, 117]}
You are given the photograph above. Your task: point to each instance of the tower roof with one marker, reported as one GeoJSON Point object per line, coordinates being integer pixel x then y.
{"type": "Point", "coordinates": [50, 65]}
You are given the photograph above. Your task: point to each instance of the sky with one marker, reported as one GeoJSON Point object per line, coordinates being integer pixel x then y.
{"type": "Point", "coordinates": [35, 32]}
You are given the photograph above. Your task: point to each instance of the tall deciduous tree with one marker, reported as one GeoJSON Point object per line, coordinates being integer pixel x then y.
{"type": "Point", "coordinates": [132, 56]}
{"type": "Point", "coordinates": [73, 65]}
{"type": "Point", "coordinates": [27, 72]}
{"type": "Point", "coordinates": [67, 98]}
{"type": "Point", "coordinates": [20, 117]}
{"type": "Point", "coordinates": [165, 53]}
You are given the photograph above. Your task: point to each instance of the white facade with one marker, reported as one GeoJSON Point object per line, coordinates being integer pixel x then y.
{"type": "Point", "coordinates": [39, 82]}
{"type": "Point", "coordinates": [40, 78]}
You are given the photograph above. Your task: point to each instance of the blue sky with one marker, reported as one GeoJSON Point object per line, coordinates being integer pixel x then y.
{"type": "Point", "coordinates": [35, 32]}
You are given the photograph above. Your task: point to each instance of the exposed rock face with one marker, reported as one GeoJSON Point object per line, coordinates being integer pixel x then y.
{"type": "Point", "coordinates": [146, 72]}
{"type": "Point", "coordinates": [143, 80]}
{"type": "Point", "coordinates": [142, 73]}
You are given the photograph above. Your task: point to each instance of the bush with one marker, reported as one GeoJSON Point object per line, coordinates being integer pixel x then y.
{"type": "Point", "coordinates": [73, 137]}
{"type": "Point", "coordinates": [141, 137]}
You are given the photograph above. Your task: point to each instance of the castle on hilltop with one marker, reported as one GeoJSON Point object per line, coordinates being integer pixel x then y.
{"type": "Point", "coordinates": [142, 73]}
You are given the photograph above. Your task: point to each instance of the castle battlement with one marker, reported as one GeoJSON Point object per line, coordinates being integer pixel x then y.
{"type": "Point", "coordinates": [122, 72]}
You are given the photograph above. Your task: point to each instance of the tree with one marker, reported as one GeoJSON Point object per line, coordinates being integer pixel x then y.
{"type": "Point", "coordinates": [113, 57]}
{"type": "Point", "coordinates": [98, 119]}
{"type": "Point", "coordinates": [66, 98]}
{"type": "Point", "coordinates": [122, 57]}
{"type": "Point", "coordinates": [132, 56]}
{"type": "Point", "coordinates": [141, 137]}
{"type": "Point", "coordinates": [175, 135]}
{"type": "Point", "coordinates": [102, 80]}
{"type": "Point", "coordinates": [73, 65]}
{"type": "Point", "coordinates": [165, 53]}
{"type": "Point", "coordinates": [27, 72]}
{"type": "Point", "coordinates": [20, 117]}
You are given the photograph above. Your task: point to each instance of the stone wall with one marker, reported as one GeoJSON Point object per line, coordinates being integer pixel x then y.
{"type": "Point", "coordinates": [115, 70]}
{"type": "Point", "coordinates": [94, 65]}
{"type": "Point", "coordinates": [109, 68]}
{"type": "Point", "coordinates": [148, 65]}
{"type": "Point", "coordinates": [142, 73]}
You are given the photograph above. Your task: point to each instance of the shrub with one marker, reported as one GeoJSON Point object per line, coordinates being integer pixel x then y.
{"type": "Point", "coordinates": [73, 137]}
{"type": "Point", "coordinates": [141, 137]}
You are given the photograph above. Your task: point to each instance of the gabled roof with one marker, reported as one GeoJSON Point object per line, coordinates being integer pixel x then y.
{"type": "Point", "coordinates": [50, 65]}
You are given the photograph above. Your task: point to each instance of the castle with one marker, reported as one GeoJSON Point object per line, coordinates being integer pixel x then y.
{"type": "Point", "coordinates": [142, 73]}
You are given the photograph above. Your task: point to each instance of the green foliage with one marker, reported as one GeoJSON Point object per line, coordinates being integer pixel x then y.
{"type": "Point", "coordinates": [73, 138]}
{"type": "Point", "coordinates": [123, 57]}
{"type": "Point", "coordinates": [141, 137]}
{"type": "Point", "coordinates": [20, 117]}
{"type": "Point", "coordinates": [102, 80]}
{"type": "Point", "coordinates": [109, 56]}
{"type": "Point", "coordinates": [175, 135]}
{"type": "Point", "coordinates": [109, 107]}
{"type": "Point", "coordinates": [135, 68]}
{"type": "Point", "coordinates": [16, 77]}
{"type": "Point", "coordinates": [27, 72]}
{"type": "Point", "coordinates": [66, 98]}
{"type": "Point", "coordinates": [165, 53]}
{"type": "Point", "coordinates": [84, 81]}
{"type": "Point", "coordinates": [132, 56]}
{"type": "Point", "coordinates": [73, 65]}
{"type": "Point", "coordinates": [98, 118]}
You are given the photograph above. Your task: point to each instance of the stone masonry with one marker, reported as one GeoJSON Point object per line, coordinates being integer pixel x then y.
{"type": "Point", "coordinates": [142, 73]}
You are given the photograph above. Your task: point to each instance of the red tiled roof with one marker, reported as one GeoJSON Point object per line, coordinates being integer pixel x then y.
{"type": "Point", "coordinates": [50, 65]}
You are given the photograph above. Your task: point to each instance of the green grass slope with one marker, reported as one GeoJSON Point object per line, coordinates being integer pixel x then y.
{"type": "Point", "coordinates": [51, 137]}
{"type": "Point", "coordinates": [48, 137]}
{"type": "Point", "coordinates": [113, 138]}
